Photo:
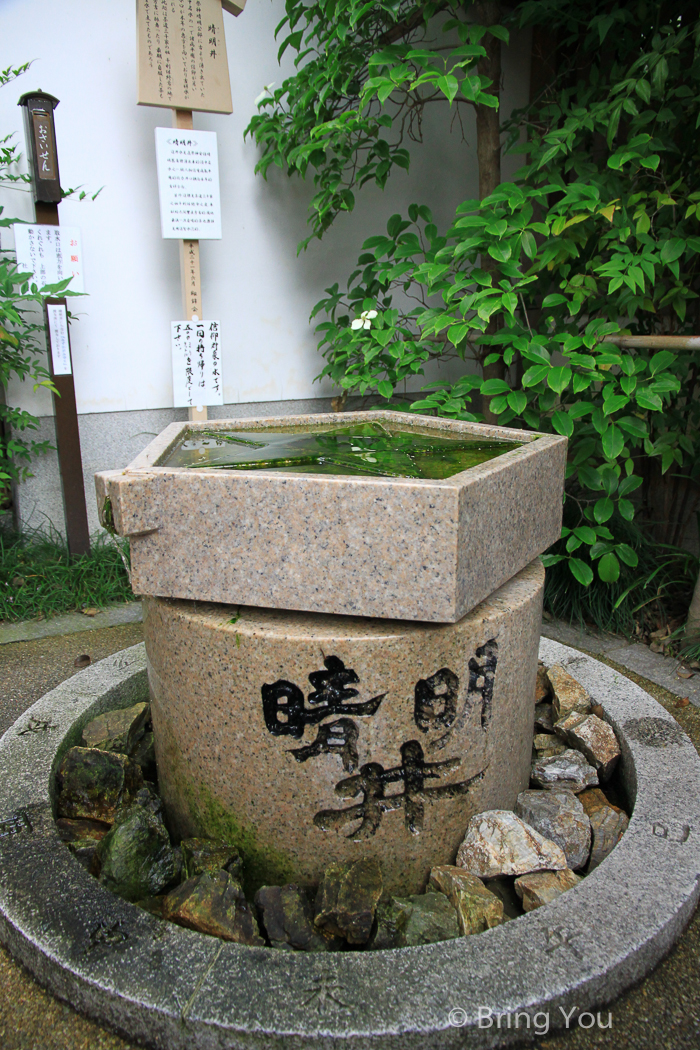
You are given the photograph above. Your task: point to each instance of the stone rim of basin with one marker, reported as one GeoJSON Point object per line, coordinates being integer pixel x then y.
{"type": "Point", "coordinates": [562, 956]}
{"type": "Point", "coordinates": [157, 452]}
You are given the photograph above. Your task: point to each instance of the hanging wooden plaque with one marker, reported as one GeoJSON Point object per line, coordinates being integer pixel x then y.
{"type": "Point", "coordinates": [182, 55]}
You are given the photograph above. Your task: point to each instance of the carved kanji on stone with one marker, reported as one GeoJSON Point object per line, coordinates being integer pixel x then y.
{"type": "Point", "coordinates": [371, 782]}
{"type": "Point", "coordinates": [284, 707]}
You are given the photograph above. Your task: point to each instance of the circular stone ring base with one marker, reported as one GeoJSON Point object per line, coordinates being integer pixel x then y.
{"type": "Point", "coordinates": [177, 990]}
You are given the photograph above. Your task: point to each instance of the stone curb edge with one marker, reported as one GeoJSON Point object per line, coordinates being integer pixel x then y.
{"type": "Point", "coordinates": [177, 990]}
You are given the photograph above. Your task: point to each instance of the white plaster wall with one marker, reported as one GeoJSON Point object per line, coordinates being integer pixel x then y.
{"type": "Point", "coordinates": [84, 53]}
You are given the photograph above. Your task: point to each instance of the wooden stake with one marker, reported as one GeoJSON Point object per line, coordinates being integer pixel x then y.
{"type": "Point", "coordinates": [189, 267]}
{"type": "Point", "coordinates": [70, 460]}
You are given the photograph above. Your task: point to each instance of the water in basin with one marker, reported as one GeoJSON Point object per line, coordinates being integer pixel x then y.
{"type": "Point", "coordinates": [357, 449]}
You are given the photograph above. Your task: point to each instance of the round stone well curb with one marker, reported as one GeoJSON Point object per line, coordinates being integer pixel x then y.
{"type": "Point", "coordinates": [176, 989]}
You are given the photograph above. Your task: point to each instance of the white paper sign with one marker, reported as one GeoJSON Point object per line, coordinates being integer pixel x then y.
{"type": "Point", "coordinates": [51, 253]}
{"type": "Point", "coordinates": [188, 184]}
{"type": "Point", "coordinates": [196, 350]}
{"type": "Point", "coordinates": [58, 337]}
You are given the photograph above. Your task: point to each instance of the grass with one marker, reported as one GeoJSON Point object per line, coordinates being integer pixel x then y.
{"type": "Point", "coordinates": [39, 578]}
{"type": "Point", "coordinates": [651, 597]}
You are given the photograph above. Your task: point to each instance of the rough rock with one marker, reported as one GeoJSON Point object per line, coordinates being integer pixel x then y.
{"type": "Point", "coordinates": [608, 825]}
{"type": "Point", "coordinates": [153, 905]}
{"type": "Point", "coordinates": [423, 918]}
{"type": "Point", "coordinates": [568, 694]}
{"type": "Point", "coordinates": [568, 770]}
{"type": "Point", "coordinates": [71, 831]}
{"type": "Point", "coordinates": [93, 784]}
{"type": "Point", "coordinates": [347, 899]}
{"type": "Point", "coordinates": [544, 886]}
{"type": "Point", "coordinates": [546, 744]}
{"type": "Point", "coordinates": [148, 798]}
{"type": "Point", "coordinates": [287, 916]}
{"type": "Point", "coordinates": [82, 837]}
{"type": "Point", "coordinates": [144, 754]}
{"type": "Point", "coordinates": [542, 684]}
{"type": "Point", "coordinates": [499, 843]}
{"type": "Point", "coordinates": [208, 856]}
{"type": "Point", "coordinates": [477, 908]}
{"type": "Point", "coordinates": [560, 817]}
{"type": "Point", "coordinates": [544, 716]}
{"type": "Point", "coordinates": [136, 857]}
{"type": "Point", "coordinates": [504, 888]}
{"type": "Point", "coordinates": [214, 904]}
{"type": "Point", "coordinates": [392, 918]}
{"type": "Point", "coordinates": [594, 738]}
{"type": "Point", "coordinates": [117, 730]}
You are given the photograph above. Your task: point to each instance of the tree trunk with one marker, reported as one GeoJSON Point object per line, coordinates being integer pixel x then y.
{"type": "Point", "coordinates": [488, 152]}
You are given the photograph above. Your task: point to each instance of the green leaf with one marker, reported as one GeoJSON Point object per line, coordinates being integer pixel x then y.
{"type": "Point", "coordinates": [563, 423]}
{"type": "Point", "coordinates": [664, 359]}
{"type": "Point", "coordinates": [603, 509]}
{"type": "Point", "coordinates": [585, 533]}
{"type": "Point", "coordinates": [581, 571]}
{"type": "Point", "coordinates": [535, 375]}
{"type": "Point", "coordinates": [626, 509]}
{"type": "Point", "coordinates": [517, 400]}
{"type": "Point", "coordinates": [672, 249]}
{"type": "Point", "coordinates": [558, 379]}
{"type": "Point", "coordinates": [385, 388]}
{"type": "Point", "coordinates": [626, 554]}
{"type": "Point", "coordinates": [494, 386]}
{"type": "Point", "coordinates": [613, 442]}
{"type": "Point", "coordinates": [529, 244]}
{"type": "Point", "coordinates": [609, 568]}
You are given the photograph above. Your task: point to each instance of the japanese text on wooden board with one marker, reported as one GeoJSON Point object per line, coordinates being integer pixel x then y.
{"type": "Point", "coordinates": [50, 254]}
{"type": "Point", "coordinates": [182, 55]}
{"type": "Point", "coordinates": [196, 350]}
{"type": "Point", "coordinates": [188, 184]}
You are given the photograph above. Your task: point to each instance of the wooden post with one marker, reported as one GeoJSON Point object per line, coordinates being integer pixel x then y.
{"type": "Point", "coordinates": [189, 269]}
{"type": "Point", "coordinates": [41, 148]}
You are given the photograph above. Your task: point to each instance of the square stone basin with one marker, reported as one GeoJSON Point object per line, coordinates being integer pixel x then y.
{"type": "Point", "coordinates": [376, 514]}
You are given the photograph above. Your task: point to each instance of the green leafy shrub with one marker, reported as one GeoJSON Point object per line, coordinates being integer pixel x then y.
{"type": "Point", "coordinates": [531, 286]}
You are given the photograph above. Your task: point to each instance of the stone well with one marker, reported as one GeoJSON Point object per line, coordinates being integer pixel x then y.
{"type": "Point", "coordinates": [365, 681]}
{"type": "Point", "coordinates": [310, 739]}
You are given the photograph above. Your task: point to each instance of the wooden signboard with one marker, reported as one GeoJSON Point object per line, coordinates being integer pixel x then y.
{"type": "Point", "coordinates": [182, 55]}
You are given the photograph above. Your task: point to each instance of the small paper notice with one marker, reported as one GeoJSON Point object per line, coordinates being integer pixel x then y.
{"type": "Point", "coordinates": [50, 253]}
{"type": "Point", "coordinates": [196, 353]}
{"type": "Point", "coordinates": [58, 337]}
{"type": "Point", "coordinates": [188, 184]}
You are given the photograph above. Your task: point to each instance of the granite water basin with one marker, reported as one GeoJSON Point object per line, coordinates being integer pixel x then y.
{"type": "Point", "coordinates": [447, 512]}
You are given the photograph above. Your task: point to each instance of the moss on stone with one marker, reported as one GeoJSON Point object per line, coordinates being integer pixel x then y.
{"type": "Point", "coordinates": [263, 864]}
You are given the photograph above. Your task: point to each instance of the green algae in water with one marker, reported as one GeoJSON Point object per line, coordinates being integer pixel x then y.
{"type": "Point", "coordinates": [364, 449]}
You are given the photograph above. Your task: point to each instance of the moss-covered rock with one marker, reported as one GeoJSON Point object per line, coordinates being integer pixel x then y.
{"type": "Point", "coordinates": [214, 904]}
{"type": "Point", "coordinates": [207, 856]}
{"type": "Point", "coordinates": [347, 898]}
{"type": "Point", "coordinates": [287, 916]}
{"type": "Point", "coordinates": [93, 784]}
{"type": "Point", "coordinates": [136, 858]}
{"type": "Point", "coordinates": [117, 730]}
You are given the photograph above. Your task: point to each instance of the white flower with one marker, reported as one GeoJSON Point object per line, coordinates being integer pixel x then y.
{"type": "Point", "coordinates": [364, 320]}
{"type": "Point", "coordinates": [265, 93]}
